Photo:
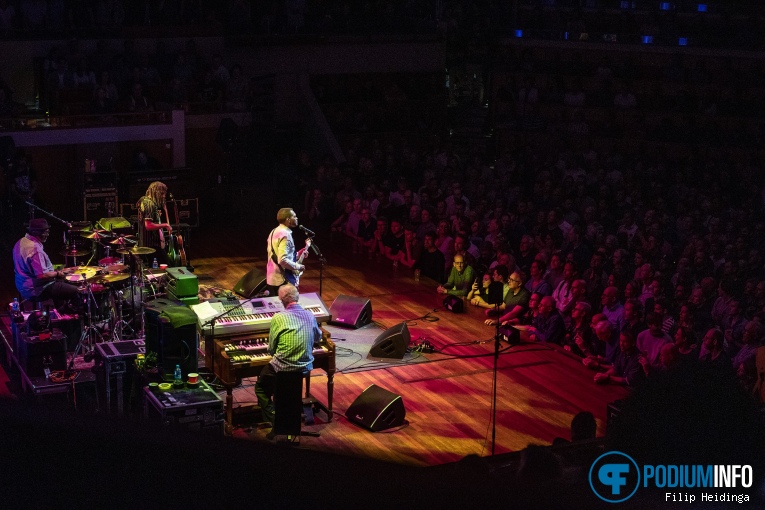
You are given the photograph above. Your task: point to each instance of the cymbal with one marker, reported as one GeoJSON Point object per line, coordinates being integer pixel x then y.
{"type": "Point", "coordinates": [112, 278]}
{"type": "Point", "coordinates": [116, 268]}
{"type": "Point", "coordinates": [97, 234]}
{"type": "Point", "coordinates": [123, 240]}
{"type": "Point", "coordinates": [74, 252]}
{"type": "Point", "coordinates": [137, 250]}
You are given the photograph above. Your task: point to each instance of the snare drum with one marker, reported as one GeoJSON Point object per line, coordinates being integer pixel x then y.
{"type": "Point", "coordinates": [108, 261]}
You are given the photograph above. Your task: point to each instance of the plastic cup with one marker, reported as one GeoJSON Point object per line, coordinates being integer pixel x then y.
{"type": "Point", "coordinates": [193, 377]}
{"type": "Point", "coordinates": [163, 266]}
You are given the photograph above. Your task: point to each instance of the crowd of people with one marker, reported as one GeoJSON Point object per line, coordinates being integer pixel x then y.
{"type": "Point", "coordinates": [639, 266]}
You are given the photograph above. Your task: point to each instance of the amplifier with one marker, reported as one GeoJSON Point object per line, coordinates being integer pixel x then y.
{"type": "Point", "coordinates": [36, 353]}
{"type": "Point", "coordinates": [189, 300]}
{"type": "Point", "coordinates": [182, 282]}
{"type": "Point", "coordinates": [117, 224]}
{"type": "Point", "coordinates": [99, 203]}
{"type": "Point", "coordinates": [188, 211]}
{"type": "Point", "coordinates": [129, 211]}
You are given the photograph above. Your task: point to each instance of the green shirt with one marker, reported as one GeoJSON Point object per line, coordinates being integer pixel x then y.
{"type": "Point", "coordinates": [459, 284]}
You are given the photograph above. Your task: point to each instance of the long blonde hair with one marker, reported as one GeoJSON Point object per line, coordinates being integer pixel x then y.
{"type": "Point", "coordinates": [155, 192]}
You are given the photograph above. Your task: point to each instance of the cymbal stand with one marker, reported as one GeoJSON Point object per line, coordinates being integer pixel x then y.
{"type": "Point", "coordinates": [140, 315]}
{"type": "Point", "coordinates": [90, 334]}
{"type": "Point", "coordinates": [120, 324]}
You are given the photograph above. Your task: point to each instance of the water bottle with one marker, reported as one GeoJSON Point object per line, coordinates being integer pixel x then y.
{"type": "Point", "coordinates": [155, 264]}
{"type": "Point", "coordinates": [177, 377]}
{"type": "Point", "coordinates": [16, 310]}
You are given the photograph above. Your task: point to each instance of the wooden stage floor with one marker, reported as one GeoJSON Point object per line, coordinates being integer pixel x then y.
{"type": "Point", "coordinates": [448, 399]}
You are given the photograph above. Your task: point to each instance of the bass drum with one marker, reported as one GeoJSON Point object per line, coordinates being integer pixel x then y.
{"type": "Point", "coordinates": [130, 302]}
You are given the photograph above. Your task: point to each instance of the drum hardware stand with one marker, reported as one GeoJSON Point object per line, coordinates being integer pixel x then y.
{"type": "Point", "coordinates": [120, 325]}
{"type": "Point", "coordinates": [90, 333]}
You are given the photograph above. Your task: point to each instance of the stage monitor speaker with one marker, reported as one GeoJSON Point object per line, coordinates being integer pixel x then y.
{"type": "Point", "coordinates": [251, 284]}
{"type": "Point", "coordinates": [350, 311]}
{"type": "Point", "coordinates": [377, 409]}
{"type": "Point", "coordinates": [391, 344]}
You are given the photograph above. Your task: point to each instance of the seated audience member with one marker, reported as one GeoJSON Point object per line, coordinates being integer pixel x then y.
{"type": "Point", "coordinates": [381, 233]}
{"type": "Point", "coordinates": [498, 277]}
{"type": "Point", "coordinates": [548, 324]}
{"type": "Point", "coordinates": [626, 370]}
{"type": "Point", "coordinates": [412, 250]}
{"type": "Point", "coordinates": [460, 279]}
{"type": "Point", "coordinates": [714, 355]}
{"type": "Point", "coordinates": [633, 317]}
{"type": "Point", "coordinates": [669, 359]}
{"type": "Point", "coordinates": [431, 262]}
{"type": "Point", "coordinates": [578, 295]}
{"type": "Point", "coordinates": [536, 282]}
{"type": "Point", "coordinates": [583, 428]}
{"type": "Point", "coordinates": [393, 242]}
{"type": "Point", "coordinates": [606, 348]}
{"type": "Point", "coordinates": [649, 342]}
{"type": "Point", "coordinates": [340, 224]}
{"type": "Point", "coordinates": [562, 293]}
{"type": "Point", "coordinates": [612, 308]}
{"type": "Point", "coordinates": [579, 335]}
{"type": "Point", "coordinates": [464, 247]}
{"type": "Point", "coordinates": [751, 341]}
{"type": "Point", "coordinates": [528, 316]}
{"type": "Point", "coordinates": [515, 303]}
{"type": "Point", "coordinates": [479, 292]}
{"type": "Point", "coordinates": [365, 233]}
{"type": "Point", "coordinates": [687, 349]}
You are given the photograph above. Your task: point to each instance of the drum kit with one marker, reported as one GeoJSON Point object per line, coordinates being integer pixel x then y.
{"type": "Point", "coordinates": [116, 282]}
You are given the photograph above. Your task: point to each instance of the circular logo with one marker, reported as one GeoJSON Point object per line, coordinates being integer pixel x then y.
{"type": "Point", "coordinates": [614, 477]}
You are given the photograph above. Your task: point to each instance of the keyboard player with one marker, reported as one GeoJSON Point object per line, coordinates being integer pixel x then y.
{"type": "Point", "coordinates": [291, 338]}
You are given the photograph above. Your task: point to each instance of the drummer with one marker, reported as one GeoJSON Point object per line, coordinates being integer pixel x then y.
{"type": "Point", "coordinates": [36, 279]}
{"type": "Point", "coordinates": [151, 208]}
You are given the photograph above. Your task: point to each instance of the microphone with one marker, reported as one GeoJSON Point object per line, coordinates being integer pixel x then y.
{"type": "Point", "coordinates": [171, 199]}
{"type": "Point", "coordinates": [265, 293]}
{"type": "Point", "coordinates": [309, 233]}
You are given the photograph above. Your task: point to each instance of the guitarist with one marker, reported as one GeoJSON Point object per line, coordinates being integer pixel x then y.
{"type": "Point", "coordinates": [151, 230]}
{"type": "Point", "coordinates": [284, 264]}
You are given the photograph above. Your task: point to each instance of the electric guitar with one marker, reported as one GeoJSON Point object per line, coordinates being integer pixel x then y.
{"type": "Point", "coordinates": [177, 256]}
{"type": "Point", "coordinates": [293, 276]}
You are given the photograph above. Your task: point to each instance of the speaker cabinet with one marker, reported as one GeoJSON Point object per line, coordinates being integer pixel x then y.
{"type": "Point", "coordinates": [178, 341]}
{"type": "Point", "coordinates": [377, 409]}
{"type": "Point", "coordinates": [350, 311]}
{"type": "Point", "coordinates": [153, 309]}
{"type": "Point", "coordinates": [391, 344]}
{"type": "Point", "coordinates": [250, 284]}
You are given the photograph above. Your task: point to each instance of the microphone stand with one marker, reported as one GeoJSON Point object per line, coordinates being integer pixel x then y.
{"type": "Point", "coordinates": [322, 263]}
{"type": "Point", "coordinates": [48, 213]}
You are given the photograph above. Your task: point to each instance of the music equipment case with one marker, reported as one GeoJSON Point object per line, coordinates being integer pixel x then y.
{"type": "Point", "coordinates": [118, 359]}
{"type": "Point", "coordinates": [197, 408]}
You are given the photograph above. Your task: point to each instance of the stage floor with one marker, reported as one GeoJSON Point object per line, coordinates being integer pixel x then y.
{"type": "Point", "coordinates": [448, 395]}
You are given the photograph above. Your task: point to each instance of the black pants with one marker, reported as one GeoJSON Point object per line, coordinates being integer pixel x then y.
{"type": "Point", "coordinates": [62, 293]}
{"type": "Point", "coordinates": [264, 389]}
